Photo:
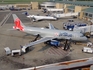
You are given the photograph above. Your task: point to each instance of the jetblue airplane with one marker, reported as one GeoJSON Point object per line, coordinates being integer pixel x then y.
{"type": "Point", "coordinates": [52, 10]}
{"type": "Point", "coordinates": [38, 17]}
{"type": "Point", "coordinates": [46, 34]}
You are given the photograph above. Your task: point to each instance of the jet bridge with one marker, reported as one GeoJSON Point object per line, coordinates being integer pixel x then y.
{"type": "Point", "coordinates": [65, 15]}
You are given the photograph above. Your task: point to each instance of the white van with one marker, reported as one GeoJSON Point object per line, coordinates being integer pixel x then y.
{"type": "Point", "coordinates": [87, 50]}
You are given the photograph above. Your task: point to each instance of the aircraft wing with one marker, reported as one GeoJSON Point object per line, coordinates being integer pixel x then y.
{"type": "Point", "coordinates": [36, 42]}
{"type": "Point", "coordinates": [40, 41]}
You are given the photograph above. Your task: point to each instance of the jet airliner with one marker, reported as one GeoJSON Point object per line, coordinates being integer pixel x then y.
{"type": "Point", "coordinates": [46, 34]}
{"type": "Point", "coordinates": [38, 17]}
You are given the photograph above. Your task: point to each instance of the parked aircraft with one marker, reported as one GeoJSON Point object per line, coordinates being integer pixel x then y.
{"type": "Point", "coordinates": [37, 17]}
{"type": "Point", "coordinates": [52, 10]}
{"type": "Point", "coordinates": [46, 34]}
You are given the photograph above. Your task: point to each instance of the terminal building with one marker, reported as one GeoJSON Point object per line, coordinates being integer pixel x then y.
{"type": "Point", "coordinates": [85, 8]}
{"type": "Point", "coordinates": [23, 6]}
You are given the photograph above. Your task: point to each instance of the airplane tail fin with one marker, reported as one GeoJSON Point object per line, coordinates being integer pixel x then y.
{"type": "Point", "coordinates": [25, 13]}
{"type": "Point", "coordinates": [18, 24]}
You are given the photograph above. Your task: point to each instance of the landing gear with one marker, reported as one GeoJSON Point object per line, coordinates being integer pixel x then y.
{"type": "Point", "coordinates": [36, 38]}
{"type": "Point", "coordinates": [34, 20]}
{"type": "Point", "coordinates": [67, 45]}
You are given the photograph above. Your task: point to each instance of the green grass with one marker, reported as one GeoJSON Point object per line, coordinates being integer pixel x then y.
{"type": "Point", "coordinates": [19, 1]}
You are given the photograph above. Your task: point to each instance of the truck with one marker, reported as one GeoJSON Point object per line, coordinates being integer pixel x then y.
{"type": "Point", "coordinates": [53, 43]}
{"type": "Point", "coordinates": [71, 24]}
{"type": "Point", "coordinates": [87, 50]}
{"type": "Point", "coordinates": [12, 52]}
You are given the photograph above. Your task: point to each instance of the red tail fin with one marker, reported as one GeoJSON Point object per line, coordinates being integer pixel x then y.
{"type": "Point", "coordinates": [17, 24]}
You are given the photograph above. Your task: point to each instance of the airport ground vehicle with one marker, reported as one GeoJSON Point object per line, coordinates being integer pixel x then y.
{"type": "Point", "coordinates": [71, 24]}
{"type": "Point", "coordinates": [87, 50]}
{"type": "Point", "coordinates": [12, 52]}
{"type": "Point", "coordinates": [53, 43]}
{"type": "Point", "coordinates": [14, 9]}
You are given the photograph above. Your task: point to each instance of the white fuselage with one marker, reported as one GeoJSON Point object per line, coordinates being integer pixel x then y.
{"type": "Point", "coordinates": [35, 17]}
{"type": "Point", "coordinates": [53, 9]}
{"type": "Point", "coordinates": [60, 34]}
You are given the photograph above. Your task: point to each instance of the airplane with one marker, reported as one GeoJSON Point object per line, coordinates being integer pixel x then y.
{"type": "Point", "coordinates": [38, 17]}
{"type": "Point", "coordinates": [46, 34]}
{"type": "Point", "coordinates": [52, 10]}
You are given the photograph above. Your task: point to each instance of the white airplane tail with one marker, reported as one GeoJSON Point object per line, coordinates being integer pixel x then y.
{"type": "Point", "coordinates": [18, 24]}
{"type": "Point", "coordinates": [25, 13]}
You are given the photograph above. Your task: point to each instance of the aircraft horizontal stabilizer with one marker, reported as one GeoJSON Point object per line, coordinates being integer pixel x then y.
{"type": "Point", "coordinates": [51, 26]}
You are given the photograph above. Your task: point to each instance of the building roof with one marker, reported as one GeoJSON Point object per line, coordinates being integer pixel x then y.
{"type": "Point", "coordinates": [82, 3]}
{"type": "Point", "coordinates": [89, 10]}
{"type": "Point", "coordinates": [71, 7]}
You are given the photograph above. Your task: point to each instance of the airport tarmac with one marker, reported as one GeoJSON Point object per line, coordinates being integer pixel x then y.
{"type": "Point", "coordinates": [41, 54]}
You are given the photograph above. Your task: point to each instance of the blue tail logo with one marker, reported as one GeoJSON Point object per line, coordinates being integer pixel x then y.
{"type": "Point", "coordinates": [25, 13]}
